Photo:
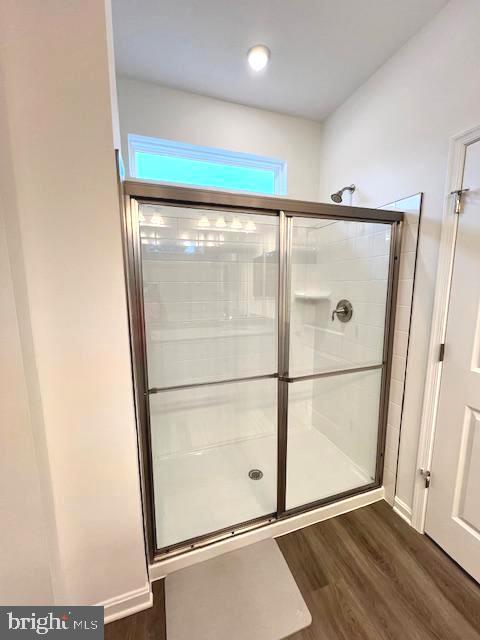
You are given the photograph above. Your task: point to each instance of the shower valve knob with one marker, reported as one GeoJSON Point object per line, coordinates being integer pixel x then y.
{"type": "Point", "coordinates": [343, 311]}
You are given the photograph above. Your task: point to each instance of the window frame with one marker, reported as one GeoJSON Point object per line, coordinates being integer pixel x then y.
{"type": "Point", "coordinates": [159, 146]}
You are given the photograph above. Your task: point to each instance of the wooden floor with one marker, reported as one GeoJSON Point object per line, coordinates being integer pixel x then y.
{"type": "Point", "coordinates": [365, 575]}
{"type": "Point", "coordinates": [146, 625]}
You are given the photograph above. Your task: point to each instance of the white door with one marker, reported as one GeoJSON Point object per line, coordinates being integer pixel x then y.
{"type": "Point", "coordinates": [453, 510]}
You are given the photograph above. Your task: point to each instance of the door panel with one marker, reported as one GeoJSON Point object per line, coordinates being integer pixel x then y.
{"type": "Point", "coordinates": [453, 510]}
{"type": "Point", "coordinates": [205, 441]}
{"type": "Point", "coordinates": [467, 491]}
{"type": "Point", "coordinates": [332, 435]}
{"type": "Point", "coordinates": [210, 294]}
{"type": "Point", "coordinates": [334, 363]}
{"type": "Point", "coordinates": [334, 260]}
{"type": "Point", "coordinates": [210, 287]}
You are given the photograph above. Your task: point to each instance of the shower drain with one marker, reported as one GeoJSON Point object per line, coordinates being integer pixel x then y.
{"type": "Point", "coordinates": [255, 474]}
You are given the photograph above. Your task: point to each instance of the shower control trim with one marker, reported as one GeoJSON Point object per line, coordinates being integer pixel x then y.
{"type": "Point", "coordinates": [343, 311]}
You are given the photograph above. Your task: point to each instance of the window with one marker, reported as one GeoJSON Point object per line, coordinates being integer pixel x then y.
{"type": "Point", "coordinates": [169, 161]}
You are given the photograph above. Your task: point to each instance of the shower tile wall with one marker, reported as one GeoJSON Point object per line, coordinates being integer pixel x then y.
{"type": "Point", "coordinates": [412, 208]}
{"type": "Point", "coordinates": [205, 322]}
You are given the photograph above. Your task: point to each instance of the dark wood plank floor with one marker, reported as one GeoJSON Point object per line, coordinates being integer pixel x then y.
{"type": "Point", "coordinates": [368, 575]}
{"type": "Point", "coordinates": [145, 625]}
{"type": "Point", "coordinates": [365, 575]}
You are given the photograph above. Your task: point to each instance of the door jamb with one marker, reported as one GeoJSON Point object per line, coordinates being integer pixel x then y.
{"type": "Point", "coordinates": [456, 161]}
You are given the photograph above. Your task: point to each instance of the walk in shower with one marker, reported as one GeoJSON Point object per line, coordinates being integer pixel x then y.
{"type": "Point", "coordinates": [261, 339]}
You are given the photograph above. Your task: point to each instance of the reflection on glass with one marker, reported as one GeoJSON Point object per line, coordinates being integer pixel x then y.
{"type": "Point", "coordinates": [331, 261]}
{"type": "Point", "coordinates": [205, 441]}
{"type": "Point", "coordinates": [210, 293]}
{"type": "Point", "coordinates": [332, 435]}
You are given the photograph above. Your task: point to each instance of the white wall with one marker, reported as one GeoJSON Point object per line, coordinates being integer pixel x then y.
{"type": "Point", "coordinates": [391, 138]}
{"type": "Point", "coordinates": [62, 218]}
{"type": "Point", "coordinates": [24, 557]}
{"type": "Point", "coordinates": [151, 110]}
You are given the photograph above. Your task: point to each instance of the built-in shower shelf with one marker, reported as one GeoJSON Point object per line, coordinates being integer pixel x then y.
{"type": "Point", "coordinates": [312, 297]}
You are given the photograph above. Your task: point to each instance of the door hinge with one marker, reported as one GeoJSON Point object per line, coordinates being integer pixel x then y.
{"type": "Point", "coordinates": [441, 354]}
{"type": "Point", "coordinates": [427, 476]}
{"type": "Point", "coordinates": [458, 198]}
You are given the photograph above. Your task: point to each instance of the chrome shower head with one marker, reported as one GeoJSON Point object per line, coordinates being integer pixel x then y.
{"type": "Point", "coordinates": [338, 196]}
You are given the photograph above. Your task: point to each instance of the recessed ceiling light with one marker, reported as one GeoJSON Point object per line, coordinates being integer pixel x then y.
{"type": "Point", "coordinates": [157, 220]}
{"type": "Point", "coordinates": [258, 57]}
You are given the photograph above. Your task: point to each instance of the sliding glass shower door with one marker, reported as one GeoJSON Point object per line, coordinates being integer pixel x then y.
{"type": "Point", "coordinates": [210, 284]}
{"type": "Point", "coordinates": [335, 312]}
{"type": "Point", "coordinates": [261, 342]}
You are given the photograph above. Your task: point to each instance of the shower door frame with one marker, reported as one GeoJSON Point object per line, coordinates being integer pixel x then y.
{"type": "Point", "coordinates": [135, 192]}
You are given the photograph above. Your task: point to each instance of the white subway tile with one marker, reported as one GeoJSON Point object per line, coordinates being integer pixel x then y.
{"type": "Point", "coordinates": [404, 293]}
{"type": "Point", "coordinates": [398, 368]}
{"type": "Point", "coordinates": [407, 265]}
{"type": "Point", "coordinates": [402, 318]}
{"type": "Point", "coordinates": [400, 343]}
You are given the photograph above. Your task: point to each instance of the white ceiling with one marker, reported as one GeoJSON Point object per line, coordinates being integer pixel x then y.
{"type": "Point", "coordinates": [322, 50]}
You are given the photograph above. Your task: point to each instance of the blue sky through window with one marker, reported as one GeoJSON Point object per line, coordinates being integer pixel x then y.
{"type": "Point", "coordinates": [153, 166]}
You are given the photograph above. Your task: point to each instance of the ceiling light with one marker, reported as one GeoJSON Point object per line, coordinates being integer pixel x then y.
{"type": "Point", "coordinates": [250, 226]}
{"type": "Point", "coordinates": [258, 57]}
{"type": "Point", "coordinates": [204, 222]}
{"type": "Point", "coordinates": [220, 223]}
{"type": "Point", "coordinates": [141, 217]}
{"type": "Point", "coordinates": [236, 224]}
{"type": "Point", "coordinates": [157, 220]}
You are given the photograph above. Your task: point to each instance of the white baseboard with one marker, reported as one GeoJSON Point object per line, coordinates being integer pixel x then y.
{"type": "Point", "coordinates": [279, 528]}
{"type": "Point", "coordinates": [127, 603]}
{"type": "Point", "coordinates": [403, 510]}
